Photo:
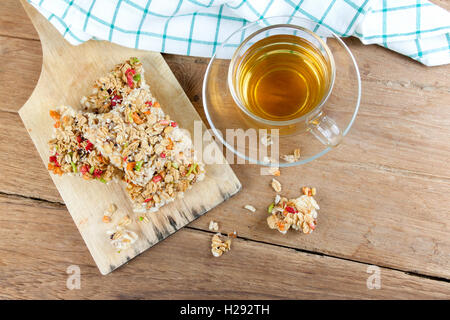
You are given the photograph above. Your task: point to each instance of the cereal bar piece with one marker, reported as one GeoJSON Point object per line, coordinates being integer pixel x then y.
{"type": "Point", "coordinates": [110, 90]}
{"type": "Point", "coordinates": [157, 157]}
{"type": "Point", "coordinates": [72, 153]}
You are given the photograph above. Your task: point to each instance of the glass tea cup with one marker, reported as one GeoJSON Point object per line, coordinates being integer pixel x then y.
{"type": "Point", "coordinates": [282, 49]}
{"type": "Point", "coordinates": [316, 131]}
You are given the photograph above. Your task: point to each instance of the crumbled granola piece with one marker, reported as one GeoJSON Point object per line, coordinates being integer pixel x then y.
{"type": "Point", "coordinates": [122, 238]}
{"type": "Point", "coordinates": [277, 199]}
{"type": "Point", "coordinates": [112, 208]}
{"type": "Point", "coordinates": [106, 219]}
{"type": "Point", "coordinates": [292, 157]}
{"type": "Point", "coordinates": [266, 140]}
{"type": "Point", "coordinates": [213, 226]}
{"type": "Point", "coordinates": [125, 221]}
{"type": "Point", "coordinates": [299, 213]}
{"type": "Point", "coordinates": [309, 191]}
{"type": "Point", "coordinates": [275, 171]}
{"type": "Point", "coordinates": [288, 158]}
{"type": "Point", "coordinates": [250, 208]}
{"type": "Point", "coordinates": [232, 234]}
{"type": "Point", "coordinates": [219, 246]}
{"type": "Point", "coordinates": [276, 185]}
{"type": "Point", "coordinates": [297, 154]}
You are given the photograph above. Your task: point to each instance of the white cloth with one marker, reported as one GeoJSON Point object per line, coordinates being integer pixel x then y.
{"type": "Point", "coordinates": [415, 28]}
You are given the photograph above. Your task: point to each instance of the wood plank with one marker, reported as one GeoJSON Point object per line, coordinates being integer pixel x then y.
{"type": "Point", "coordinates": [20, 70]}
{"type": "Point", "coordinates": [171, 269]}
{"type": "Point", "coordinates": [18, 154]}
{"type": "Point", "coordinates": [14, 21]}
{"type": "Point", "coordinates": [397, 220]}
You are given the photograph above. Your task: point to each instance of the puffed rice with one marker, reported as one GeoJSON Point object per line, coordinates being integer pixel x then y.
{"type": "Point", "coordinates": [276, 185]}
{"type": "Point", "coordinates": [213, 226]}
{"type": "Point", "coordinates": [250, 208]}
{"type": "Point", "coordinates": [219, 246]}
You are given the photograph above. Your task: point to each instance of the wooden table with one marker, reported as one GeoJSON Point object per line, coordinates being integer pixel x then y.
{"type": "Point", "coordinates": [384, 196]}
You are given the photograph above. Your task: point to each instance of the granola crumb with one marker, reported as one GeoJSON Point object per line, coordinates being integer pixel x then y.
{"type": "Point", "coordinates": [232, 234]}
{"type": "Point", "coordinates": [250, 208]}
{"type": "Point", "coordinates": [292, 157]}
{"type": "Point", "coordinates": [112, 208]}
{"type": "Point", "coordinates": [219, 246]}
{"type": "Point", "coordinates": [299, 213]}
{"type": "Point", "coordinates": [276, 185]}
{"type": "Point", "coordinates": [309, 191]}
{"type": "Point", "coordinates": [122, 238]}
{"type": "Point", "coordinates": [266, 140]}
{"type": "Point", "coordinates": [106, 219]}
{"type": "Point", "coordinates": [288, 158]}
{"type": "Point", "coordinates": [297, 154]}
{"type": "Point", "coordinates": [213, 226]}
{"type": "Point", "coordinates": [274, 171]}
{"type": "Point", "coordinates": [125, 221]}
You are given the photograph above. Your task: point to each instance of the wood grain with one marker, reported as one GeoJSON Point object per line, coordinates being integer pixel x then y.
{"type": "Point", "coordinates": [368, 218]}
{"type": "Point", "coordinates": [87, 201]}
{"type": "Point", "coordinates": [402, 189]}
{"type": "Point", "coordinates": [14, 21]}
{"type": "Point", "coordinates": [20, 55]}
{"type": "Point", "coordinates": [180, 267]}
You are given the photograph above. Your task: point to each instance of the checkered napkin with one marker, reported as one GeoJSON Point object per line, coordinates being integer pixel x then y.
{"type": "Point", "coordinates": [415, 28]}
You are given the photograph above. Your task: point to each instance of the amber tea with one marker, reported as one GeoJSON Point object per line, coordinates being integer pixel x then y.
{"type": "Point", "coordinates": [282, 77]}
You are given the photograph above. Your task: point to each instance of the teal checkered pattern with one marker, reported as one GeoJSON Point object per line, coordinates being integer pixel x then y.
{"type": "Point", "coordinates": [416, 28]}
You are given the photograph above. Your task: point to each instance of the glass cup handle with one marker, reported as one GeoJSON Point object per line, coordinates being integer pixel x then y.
{"type": "Point", "coordinates": [325, 130]}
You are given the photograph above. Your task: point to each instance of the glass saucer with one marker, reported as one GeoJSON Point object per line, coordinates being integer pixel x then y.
{"type": "Point", "coordinates": [223, 113]}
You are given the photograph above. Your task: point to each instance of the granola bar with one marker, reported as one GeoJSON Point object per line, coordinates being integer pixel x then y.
{"type": "Point", "coordinates": [110, 90]}
{"type": "Point", "coordinates": [71, 153]}
{"type": "Point", "coordinates": [123, 126]}
{"type": "Point", "coordinates": [155, 154]}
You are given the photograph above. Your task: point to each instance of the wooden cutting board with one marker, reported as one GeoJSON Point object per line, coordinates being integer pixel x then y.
{"type": "Point", "coordinates": [68, 72]}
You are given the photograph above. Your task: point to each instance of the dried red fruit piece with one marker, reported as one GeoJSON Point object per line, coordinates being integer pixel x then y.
{"type": "Point", "coordinates": [53, 159]}
{"type": "Point", "coordinates": [89, 146]}
{"type": "Point", "coordinates": [84, 169]}
{"type": "Point", "coordinates": [157, 178]}
{"type": "Point", "coordinates": [116, 100]}
{"type": "Point", "coordinates": [162, 155]}
{"type": "Point", "coordinates": [129, 74]}
{"type": "Point", "coordinates": [290, 210]}
{"type": "Point", "coordinates": [97, 173]}
{"type": "Point", "coordinates": [173, 124]}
